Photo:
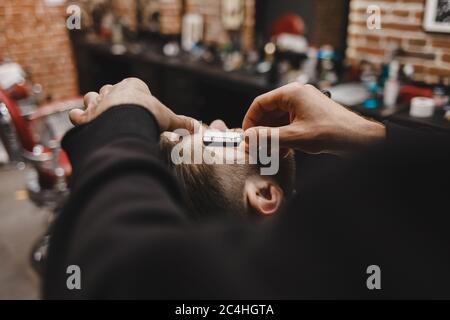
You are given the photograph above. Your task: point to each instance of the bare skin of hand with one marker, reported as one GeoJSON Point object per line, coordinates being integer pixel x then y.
{"type": "Point", "coordinates": [309, 121]}
{"type": "Point", "coordinates": [130, 91]}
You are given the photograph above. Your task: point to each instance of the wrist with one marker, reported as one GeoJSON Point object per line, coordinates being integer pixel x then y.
{"type": "Point", "coordinates": [358, 136]}
{"type": "Point", "coordinates": [374, 132]}
{"type": "Point", "coordinates": [366, 134]}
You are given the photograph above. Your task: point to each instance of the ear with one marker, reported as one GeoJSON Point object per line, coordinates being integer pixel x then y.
{"type": "Point", "coordinates": [263, 195]}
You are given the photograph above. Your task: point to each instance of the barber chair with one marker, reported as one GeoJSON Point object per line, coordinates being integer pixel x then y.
{"type": "Point", "coordinates": [34, 137]}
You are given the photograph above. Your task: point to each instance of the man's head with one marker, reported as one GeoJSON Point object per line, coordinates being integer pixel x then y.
{"type": "Point", "coordinates": [228, 188]}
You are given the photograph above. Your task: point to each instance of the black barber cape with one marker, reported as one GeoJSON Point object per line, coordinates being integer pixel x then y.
{"type": "Point", "coordinates": [126, 228]}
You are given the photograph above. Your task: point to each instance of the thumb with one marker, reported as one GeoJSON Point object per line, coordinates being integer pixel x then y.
{"type": "Point", "coordinates": [282, 134]}
{"type": "Point", "coordinates": [183, 122]}
{"type": "Point", "coordinates": [77, 117]}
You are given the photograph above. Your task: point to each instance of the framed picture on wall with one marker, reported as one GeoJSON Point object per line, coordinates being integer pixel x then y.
{"type": "Point", "coordinates": [437, 16]}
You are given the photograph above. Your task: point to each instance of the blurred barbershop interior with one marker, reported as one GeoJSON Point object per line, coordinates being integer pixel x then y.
{"type": "Point", "coordinates": [207, 59]}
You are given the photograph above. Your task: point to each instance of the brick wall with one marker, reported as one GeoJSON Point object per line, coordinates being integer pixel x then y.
{"type": "Point", "coordinates": [171, 12]}
{"type": "Point", "coordinates": [328, 25]}
{"type": "Point", "coordinates": [35, 36]}
{"type": "Point", "coordinates": [126, 9]}
{"type": "Point", "coordinates": [401, 26]}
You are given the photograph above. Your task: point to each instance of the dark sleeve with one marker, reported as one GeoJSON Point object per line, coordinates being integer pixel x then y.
{"type": "Point", "coordinates": [124, 227]}
{"type": "Point", "coordinates": [396, 133]}
{"type": "Point", "coordinates": [120, 189]}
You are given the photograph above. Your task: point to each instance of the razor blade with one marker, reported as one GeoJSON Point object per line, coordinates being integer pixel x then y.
{"type": "Point", "coordinates": [222, 139]}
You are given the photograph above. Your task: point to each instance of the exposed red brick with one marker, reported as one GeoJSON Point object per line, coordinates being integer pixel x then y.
{"type": "Point", "coordinates": [446, 58]}
{"type": "Point", "coordinates": [420, 48]}
{"type": "Point", "coordinates": [417, 42]}
{"type": "Point", "coordinates": [35, 36]}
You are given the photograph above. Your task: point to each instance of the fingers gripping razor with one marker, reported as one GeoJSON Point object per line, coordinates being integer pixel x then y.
{"type": "Point", "coordinates": [222, 139]}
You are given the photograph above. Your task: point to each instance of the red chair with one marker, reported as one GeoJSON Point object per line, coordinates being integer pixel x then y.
{"type": "Point", "coordinates": [37, 136]}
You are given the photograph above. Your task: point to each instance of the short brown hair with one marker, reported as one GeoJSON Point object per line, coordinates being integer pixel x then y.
{"type": "Point", "coordinates": [212, 190]}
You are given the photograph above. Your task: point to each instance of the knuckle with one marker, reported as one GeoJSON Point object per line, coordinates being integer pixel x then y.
{"type": "Point", "coordinates": [256, 100]}
{"type": "Point", "coordinates": [129, 79]}
{"type": "Point", "coordinates": [298, 85]}
{"type": "Point", "coordinates": [134, 81]}
{"type": "Point", "coordinates": [90, 95]}
{"type": "Point", "coordinates": [137, 83]}
{"type": "Point", "coordinates": [293, 88]}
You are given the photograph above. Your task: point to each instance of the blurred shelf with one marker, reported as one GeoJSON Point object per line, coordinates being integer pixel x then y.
{"type": "Point", "coordinates": [437, 122]}
{"type": "Point", "coordinates": [400, 115]}
{"type": "Point", "coordinates": [145, 52]}
{"type": "Point", "coordinates": [206, 89]}
{"type": "Point", "coordinates": [379, 114]}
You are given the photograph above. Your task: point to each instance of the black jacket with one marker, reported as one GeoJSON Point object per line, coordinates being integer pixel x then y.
{"type": "Point", "coordinates": [125, 227]}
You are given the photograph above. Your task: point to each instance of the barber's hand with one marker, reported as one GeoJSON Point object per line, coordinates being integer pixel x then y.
{"type": "Point", "coordinates": [129, 91]}
{"type": "Point", "coordinates": [310, 121]}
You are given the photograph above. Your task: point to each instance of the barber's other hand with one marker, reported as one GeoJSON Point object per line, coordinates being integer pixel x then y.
{"type": "Point", "coordinates": [308, 120]}
{"type": "Point", "coordinates": [129, 91]}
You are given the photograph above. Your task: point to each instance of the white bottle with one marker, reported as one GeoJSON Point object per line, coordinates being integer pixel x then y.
{"type": "Point", "coordinates": [392, 85]}
{"type": "Point", "coordinates": [192, 32]}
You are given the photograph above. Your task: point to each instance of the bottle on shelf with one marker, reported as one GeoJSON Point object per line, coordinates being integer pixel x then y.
{"type": "Point", "coordinates": [392, 85]}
